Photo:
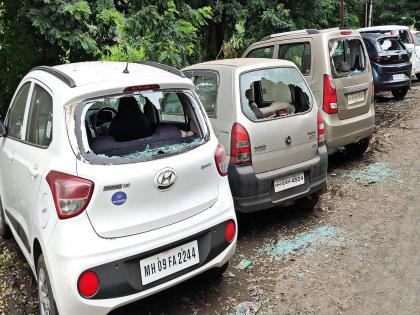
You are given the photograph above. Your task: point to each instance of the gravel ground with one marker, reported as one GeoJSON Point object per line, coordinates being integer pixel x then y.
{"type": "Point", "coordinates": [356, 252]}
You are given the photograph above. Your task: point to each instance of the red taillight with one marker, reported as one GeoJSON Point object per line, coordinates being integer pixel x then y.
{"type": "Point", "coordinates": [321, 129]}
{"type": "Point", "coordinates": [380, 58]}
{"type": "Point", "coordinates": [142, 87]}
{"type": "Point", "coordinates": [345, 32]}
{"type": "Point", "coordinates": [71, 194]}
{"type": "Point", "coordinates": [221, 160]}
{"type": "Point", "coordinates": [372, 91]}
{"type": "Point", "coordinates": [88, 284]}
{"type": "Point", "coordinates": [240, 146]}
{"type": "Point", "coordinates": [230, 231]}
{"type": "Point", "coordinates": [330, 96]}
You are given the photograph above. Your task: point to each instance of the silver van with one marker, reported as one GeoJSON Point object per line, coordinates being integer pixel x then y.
{"type": "Point", "coordinates": [335, 64]}
{"type": "Point", "coordinates": [265, 115]}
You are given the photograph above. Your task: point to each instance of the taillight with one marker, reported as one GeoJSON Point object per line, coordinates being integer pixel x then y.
{"type": "Point", "coordinates": [321, 129]}
{"type": "Point", "coordinates": [230, 231]}
{"type": "Point", "coordinates": [88, 284]}
{"type": "Point", "coordinates": [221, 160]}
{"type": "Point", "coordinates": [330, 96]}
{"type": "Point", "coordinates": [71, 194]}
{"type": "Point", "coordinates": [381, 59]}
{"type": "Point", "coordinates": [240, 145]}
{"type": "Point", "coordinates": [372, 91]}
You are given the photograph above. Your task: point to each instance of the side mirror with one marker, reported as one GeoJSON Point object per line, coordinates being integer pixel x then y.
{"type": "Point", "coordinates": [2, 129]}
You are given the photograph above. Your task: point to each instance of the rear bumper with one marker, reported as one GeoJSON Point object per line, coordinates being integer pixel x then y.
{"type": "Point", "coordinates": [254, 192]}
{"type": "Point", "coordinates": [342, 132]}
{"type": "Point", "coordinates": [117, 261]}
{"type": "Point", "coordinates": [383, 77]}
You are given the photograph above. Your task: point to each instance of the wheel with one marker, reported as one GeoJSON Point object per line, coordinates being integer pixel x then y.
{"type": "Point", "coordinates": [418, 76]}
{"type": "Point", "coordinates": [47, 304]}
{"type": "Point", "coordinates": [308, 202]}
{"type": "Point", "coordinates": [357, 149]}
{"type": "Point", "coordinates": [399, 94]}
{"type": "Point", "coordinates": [4, 228]}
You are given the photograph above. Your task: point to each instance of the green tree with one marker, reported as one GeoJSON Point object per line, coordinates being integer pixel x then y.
{"type": "Point", "coordinates": [401, 12]}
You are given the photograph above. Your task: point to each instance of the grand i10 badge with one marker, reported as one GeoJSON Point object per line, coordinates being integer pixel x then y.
{"type": "Point", "coordinates": [119, 198]}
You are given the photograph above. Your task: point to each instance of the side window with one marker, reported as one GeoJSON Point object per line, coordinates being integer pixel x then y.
{"type": "Point", "coordinates": [17, 111]}
{"type": "Point", "coordinates": [206, 87]}
{"type": "Point", "coordinates": [39, 129]}
{"type": "Point", "coordinates": [263, 52]}
{"type": "Point", "coordinates": [172, 109]}
{"type": "Point", "coordinates": [299, 54]}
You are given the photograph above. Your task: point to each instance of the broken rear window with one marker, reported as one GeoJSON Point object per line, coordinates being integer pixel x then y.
{"type": "Point", "coordinates": [390, 44]}
{"type": "Point", "coordinates": [139, 126]}
{"type": "Point", "coordinates": [347, 57]}
{"type": "Point", "coordinates": [274, 93]}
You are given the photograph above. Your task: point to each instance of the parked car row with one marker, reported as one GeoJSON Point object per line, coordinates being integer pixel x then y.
{"type": "Point", "coordinates": [120, 180]}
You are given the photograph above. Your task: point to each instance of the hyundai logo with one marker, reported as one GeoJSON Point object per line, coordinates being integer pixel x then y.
{"type": "Point", "coordinates": [165, 179]}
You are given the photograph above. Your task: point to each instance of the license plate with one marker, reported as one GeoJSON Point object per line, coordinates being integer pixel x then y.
{"type": "Point", "coordinates": [398, 77]}
{"type": "Point", "coordinates": [289, 182]}
{"type": "Point", "coordinates": [166, 263]}
{"type": "Point", "coordinates": [354, 98]}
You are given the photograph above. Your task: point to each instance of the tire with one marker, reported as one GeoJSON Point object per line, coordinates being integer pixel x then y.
{"type": "Point", "coordinates": [399, 94]}
{"type": "Point", "coordinates": [418, 76]}
{"type": "Point", "coordinates": [307, 203]}
{"type": "Point", "coordinates": [45, 296]}
{"type": "Point", "coordinates": [4, 228]}
{"type": "Point", "coordinates": [357, 149]}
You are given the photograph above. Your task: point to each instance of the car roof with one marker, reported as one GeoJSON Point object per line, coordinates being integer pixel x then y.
{"type": "Point", "coordinates": [242, 63]}
{"type": "Point", "coordinates": [92, 72]}
{"type": "Point", "coordinates": [384, 28]}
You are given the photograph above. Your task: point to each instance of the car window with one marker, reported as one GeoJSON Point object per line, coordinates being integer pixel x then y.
{"type": "Point", "coordinates": [17, 111]}
{"type": "Point", "coordinates": [172, 109]}
{"type": "Point", "coordinates": [39, 129]}
{"type": "Point", "coordinates": [274, 93]}
{"type": "Point", "coordinates": [390, 44]}
{"type": "Point", "coordinates": [347, 57]}
{"type": "Point", "coordinates": [404, 36]}
{"type": "Point", "coordinates": [299, 54]}
{"type": "Point", "coordinates": [206, 87]}
{"type": "Point", "coordinates": [262, 52]}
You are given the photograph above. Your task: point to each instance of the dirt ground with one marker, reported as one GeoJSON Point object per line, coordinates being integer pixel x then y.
{"type": "Point", "coordinates": [357, 252]}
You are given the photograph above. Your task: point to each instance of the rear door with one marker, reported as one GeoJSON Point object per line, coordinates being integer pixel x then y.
{"type": "Point", "coordinates": [284, 138]}
{"type": "Point", "coordinates": [31, 156]}
{"type": "Point", "coordinates": [133, 196]}
{"type": "Point", "coordinates": [352, 76]}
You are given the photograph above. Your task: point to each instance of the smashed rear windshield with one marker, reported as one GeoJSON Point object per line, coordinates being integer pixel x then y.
{"type": "Point", "coordinates": [390, 44]}
{"type": "Point", "coordinates": [138, 126]}
{"type": "Point", "coordinates": [347, 57]}
{"type": "Point", "coordinates": [274, 93]}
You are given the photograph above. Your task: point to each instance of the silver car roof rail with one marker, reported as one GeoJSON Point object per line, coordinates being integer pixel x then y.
{"type": "Point", "coordinates": [162, 67]}
{"type": "Point", "coordinates": [57, 73]}
{"type": "Point", "coordinates": [307, 31]}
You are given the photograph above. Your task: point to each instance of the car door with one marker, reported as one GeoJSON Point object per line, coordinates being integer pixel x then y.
{"type": "Point", "coordinates": [32, 156]}
{"type": "Point", "coordinates": [299, 51]}
{"type": "Point", "coordinates": [8, 146]}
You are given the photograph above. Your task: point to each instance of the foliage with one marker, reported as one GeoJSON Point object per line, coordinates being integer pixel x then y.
{"type": "Point", "coordinates": [401, 12]}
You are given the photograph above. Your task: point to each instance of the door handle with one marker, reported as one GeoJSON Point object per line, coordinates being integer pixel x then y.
{"type": "Point", "coordinates": [34, 171]}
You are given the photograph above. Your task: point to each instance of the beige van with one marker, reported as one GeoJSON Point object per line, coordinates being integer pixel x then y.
{"type": "Point", "coordinates": [335, 64]}
{"type": "Point", "coordinates": [265, 115]}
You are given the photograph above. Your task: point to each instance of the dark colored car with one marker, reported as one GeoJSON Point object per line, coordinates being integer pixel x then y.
{"type": "Point", "coordinates": [390, 60]}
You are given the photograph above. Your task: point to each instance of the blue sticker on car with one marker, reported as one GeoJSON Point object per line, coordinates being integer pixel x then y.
{"type": "Point", "coordinates": [119, 198]}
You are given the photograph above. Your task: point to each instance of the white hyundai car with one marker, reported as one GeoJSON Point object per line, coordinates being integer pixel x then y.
{"type": "Point", "coordinates": [113, 184]}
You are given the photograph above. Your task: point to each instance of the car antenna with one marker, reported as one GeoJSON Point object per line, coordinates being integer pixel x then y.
{"type": "Point", "coordinates": [128, 61]}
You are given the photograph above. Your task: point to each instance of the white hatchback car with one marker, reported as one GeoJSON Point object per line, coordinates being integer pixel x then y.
{"type": "Point", "coordinates": [113, 184]}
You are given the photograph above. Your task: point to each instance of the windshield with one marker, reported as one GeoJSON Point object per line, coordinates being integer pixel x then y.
{"type": "Point", "coordinates": [390, 44]}
{"type": "Point", "coordinates": [347, 57]}
{"type": "Point", "coordinates": [274, 93]}
{"type": "Point", "coordinates": [139, 126]}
